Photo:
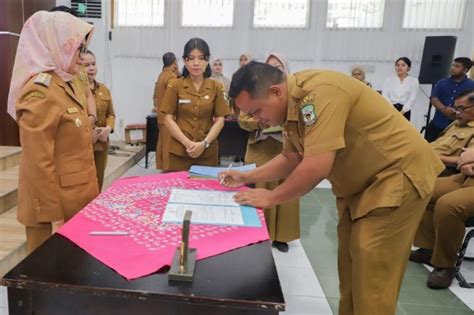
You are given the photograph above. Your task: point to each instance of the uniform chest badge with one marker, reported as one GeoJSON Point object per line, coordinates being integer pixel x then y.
{"type": "Point", "coordinates": [309, 116]}
{"type": "Point", "coordinates": [35, 94]}
{"type": "Point", "coordinates": [78, 122]}
{"type": "Point", "coordinates": [206, 97]}
{"type": "Point", "coordinates": [72, 110]}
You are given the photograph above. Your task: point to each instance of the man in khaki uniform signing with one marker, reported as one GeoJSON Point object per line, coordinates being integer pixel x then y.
{"type": "Point", "coordinates": [456, 136]}
{"type": "Point", "coordinates": [381, 171]}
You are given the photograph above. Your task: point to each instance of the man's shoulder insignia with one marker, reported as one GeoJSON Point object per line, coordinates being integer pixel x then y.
{"type": "Point", "coordinates": [43, 79]}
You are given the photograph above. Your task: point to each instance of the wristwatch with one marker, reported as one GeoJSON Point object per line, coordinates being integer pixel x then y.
{"type": "Point", "coordinates": [206, 144]}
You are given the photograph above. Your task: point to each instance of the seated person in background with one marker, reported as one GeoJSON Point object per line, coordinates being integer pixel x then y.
{"type": "Point", "coordinates": [458, 135]}
{"type": "Point", "coordinates": [442, 229]}
{"type": "Point", "coordinates": [401, 89]}
{"type": "Point", "coordinates": [359, 74]}
{"type": "Point", "coordinates": [283, 220]}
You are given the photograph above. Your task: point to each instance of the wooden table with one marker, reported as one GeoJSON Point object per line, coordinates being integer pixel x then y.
{"type": "Point", "coordinates": [60, 278]}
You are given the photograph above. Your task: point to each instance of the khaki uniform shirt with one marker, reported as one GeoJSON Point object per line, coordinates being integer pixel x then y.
{"type": "Point", "coordinates": [454, 138]}
{"type": "Point", "coordinates": [194, 111]}
{"type": "Point", "coordinates": [159, 92]}
{"type": "Point", "coordinates": [105, 112]}
{"type": "Point", "coordinates": [105, 107]}
{"type": "Point", "coordinates": [375, 145]}
{"type": "Point", "coordinates": [57, 170]}
{"type": "Point", "coordinates": [80, 85]}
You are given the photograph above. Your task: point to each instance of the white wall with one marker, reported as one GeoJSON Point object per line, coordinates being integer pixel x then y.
{"type": "Point", "coordinates": [130, 63]}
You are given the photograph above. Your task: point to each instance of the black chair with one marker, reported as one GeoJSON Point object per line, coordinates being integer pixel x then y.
{"type": "Point", "coordinates": [232, 139]}
{"type": "Point", "coordinates": [461, 257]}
{"type": "Point", "coordinates": [151, 135]}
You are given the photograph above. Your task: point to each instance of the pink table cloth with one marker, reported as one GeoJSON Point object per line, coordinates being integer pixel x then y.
{"type": "Point", "coordinates": [136, 205]}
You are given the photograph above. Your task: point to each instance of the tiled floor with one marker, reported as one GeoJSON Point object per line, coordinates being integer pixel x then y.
{"type": "Point", "coordinates": [308, 273]}
{"type": "Point", "coordinates": [319, 239]}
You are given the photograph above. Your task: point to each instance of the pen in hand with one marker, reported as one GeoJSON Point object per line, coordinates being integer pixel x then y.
{"type": "Point", "coordinates": [223, 178]}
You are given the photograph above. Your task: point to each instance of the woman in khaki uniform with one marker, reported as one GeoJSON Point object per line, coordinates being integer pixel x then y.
{"type": "Point", "coordinates": [283, 221]}
{"type": "Point", "coordinates": [57, 175]}
{"type": "Point", "coordinates": [195, 108]}
{"type": "Point", "coordinates": [170, 71]}
{"type": "Point", "coordinates": [105, 116]}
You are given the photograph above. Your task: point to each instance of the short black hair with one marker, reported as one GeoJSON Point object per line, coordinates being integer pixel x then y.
{"type": "Point", "coordinates": [63, 8]}
{"type": "Point", "coordinates": [465, 61]}
{"type": "Point", "coordinates": [255, 78]}
{"type": "Point", "coordinates": [201, 45]}
{"type": "Point", "coordinates": [406, 60]}
{"type": "Point", "coordinates": [90, 53]}
{"type": "Point", "coordinates": [168, 59]}
{"type": "Point", "coordinates": [464, 93]}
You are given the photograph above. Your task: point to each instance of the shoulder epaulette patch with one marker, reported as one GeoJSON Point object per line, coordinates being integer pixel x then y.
{"type": "Point", "coordinates": [43, 79]}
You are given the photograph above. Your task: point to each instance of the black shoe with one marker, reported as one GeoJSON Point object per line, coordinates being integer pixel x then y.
{"type": "Point", "coordinates": [421, 256]}
{"type": "Point", "coordinates": [441, 278]}
{"type": "Point", "coordinates": [281, 246]}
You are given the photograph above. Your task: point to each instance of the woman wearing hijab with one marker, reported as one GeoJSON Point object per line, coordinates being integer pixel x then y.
{"type": "Point", "coordinates": [217, 67]}
{"type": "Point", "coordinates": [170, 71]}
{"type": "Point", "coordinates": [57, 175]}
{"type": "Point", "coordinates": [245, 59]}
{"type": "Point", "coordinates": [283, 221]}
{"type": "Point", "coordinates": [359, 74]}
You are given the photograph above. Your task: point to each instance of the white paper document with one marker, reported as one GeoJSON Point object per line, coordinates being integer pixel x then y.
{"type": "Point", "coordinates": [203, 197]}
{"type": "Point", "coordinates": [209, 207]}
{"type": "Point", "coordinates": [204, 214]}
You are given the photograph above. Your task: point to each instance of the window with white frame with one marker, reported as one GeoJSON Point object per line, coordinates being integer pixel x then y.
{"type": "Point", "coordinates": [140, 12]}
{"type": "Point", "coordinates": [355, 13]}
{"type": "Point", "coordinates": [281, 13]}
{"type": "Point", "coordinates": [434, 14]}
{"type": "Point", "coordinates": [207, 13]}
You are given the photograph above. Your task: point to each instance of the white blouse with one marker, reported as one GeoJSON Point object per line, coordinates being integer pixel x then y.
{"type": "Point", "coordinates": [402, 92]}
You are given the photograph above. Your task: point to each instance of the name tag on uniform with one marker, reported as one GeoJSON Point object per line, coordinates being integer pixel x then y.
{"type": "Point", "coordinates": [184, 101]}
{"type": "Point", "coordinates": [72, 110]}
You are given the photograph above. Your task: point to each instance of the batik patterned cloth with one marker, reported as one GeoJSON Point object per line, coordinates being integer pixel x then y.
{"type": "Point", "coordinates": [136, 205]}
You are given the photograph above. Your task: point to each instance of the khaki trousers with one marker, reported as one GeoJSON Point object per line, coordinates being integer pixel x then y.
{"type": "Point", "coordinates": [162, 161]}
{"type": "Point", "coordinates": [373, 254]}
{"type": "Point", "coordinates": [442, 226]}
{"type": "Point", "coordinates": [100, 158]}
{"type": "Point", "coordinates": [283, 221]}
{"type": "Point", "coordinates": [37, 235]}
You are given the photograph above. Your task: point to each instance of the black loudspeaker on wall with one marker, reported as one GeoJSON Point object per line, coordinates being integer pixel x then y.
{"type": "Point", "coordinates": [438, 55]}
